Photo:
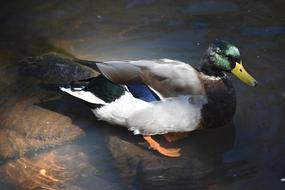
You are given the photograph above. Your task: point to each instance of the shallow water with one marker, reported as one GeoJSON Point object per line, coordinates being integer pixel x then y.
{"type": "Point", "coordinates": [250, 155]}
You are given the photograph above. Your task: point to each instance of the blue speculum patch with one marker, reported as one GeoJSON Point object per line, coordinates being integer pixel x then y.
{"type": "Point", "coordinates": [143, 92]}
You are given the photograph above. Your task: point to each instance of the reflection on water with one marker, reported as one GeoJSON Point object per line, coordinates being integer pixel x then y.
{"type": "Point", "coordinates": [67, 167]}
{"type": "Point", "coordinates": [37, 173]}
{"type": "Point", "coordinates": [250, 155]}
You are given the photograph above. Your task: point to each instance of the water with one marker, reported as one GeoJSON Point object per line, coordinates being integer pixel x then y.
{"type": "Point", "coordinates": [248, 155]}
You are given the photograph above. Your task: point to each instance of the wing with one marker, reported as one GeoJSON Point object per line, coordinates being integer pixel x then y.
{"type": "Point", "coordinates": [167, 77]}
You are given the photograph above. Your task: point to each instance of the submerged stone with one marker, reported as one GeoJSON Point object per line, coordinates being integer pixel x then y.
{"type": "Point", "coordinates": [27, 90]}
{"type": "Point", "coordinates": [65, 167]}
{"type": "Point", "coordinates": [202, 156]}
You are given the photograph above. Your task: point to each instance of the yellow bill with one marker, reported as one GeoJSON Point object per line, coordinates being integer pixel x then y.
{"type": "Point", "coordinates": [241, 73]}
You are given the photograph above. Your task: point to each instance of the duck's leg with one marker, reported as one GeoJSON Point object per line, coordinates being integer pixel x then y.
{"type": "Point", "coordinates": [171, 152]}
{"type": "Point", "coordinates": [171, 137]}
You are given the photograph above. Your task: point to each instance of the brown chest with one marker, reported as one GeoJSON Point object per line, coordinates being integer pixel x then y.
{"type": "Point", "coordinates": [221, 104]}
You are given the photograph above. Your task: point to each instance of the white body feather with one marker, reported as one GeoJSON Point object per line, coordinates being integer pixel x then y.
{"type": "Point", "coordinates": [176, 114]}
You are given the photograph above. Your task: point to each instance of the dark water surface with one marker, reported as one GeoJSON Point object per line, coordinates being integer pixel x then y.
{"type": "Point", "coordinates": [248, 155]}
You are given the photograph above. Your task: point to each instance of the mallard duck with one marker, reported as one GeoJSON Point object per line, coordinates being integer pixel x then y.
{"type": "Point", "coordinates": [165, 97]}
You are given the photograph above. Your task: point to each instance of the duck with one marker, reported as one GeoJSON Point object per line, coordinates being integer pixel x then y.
{"type": "Point", "coordinates": [164, 96]}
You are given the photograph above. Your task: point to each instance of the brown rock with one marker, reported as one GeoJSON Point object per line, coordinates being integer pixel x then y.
{"type": "Point", "coordinates": [26, 123]}
{"type": "Point", "coordinates": [202, 153]}
{"type": "Point", "coordinates": [65, 167]}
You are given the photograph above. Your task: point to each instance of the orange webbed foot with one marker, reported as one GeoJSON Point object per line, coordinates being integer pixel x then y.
{"type": "Point", "coordinates": [170, 152]}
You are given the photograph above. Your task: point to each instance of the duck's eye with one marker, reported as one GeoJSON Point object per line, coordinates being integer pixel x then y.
{"type": "Point", "coordinates": [240, 70]}
{"type": "Point", "coordinates": [233, 59]}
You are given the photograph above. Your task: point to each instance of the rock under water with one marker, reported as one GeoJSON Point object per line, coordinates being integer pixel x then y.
{"type": "Point", "coordinates": [202, 157]}
{"type": "Point", "coordinates": [25, 125]}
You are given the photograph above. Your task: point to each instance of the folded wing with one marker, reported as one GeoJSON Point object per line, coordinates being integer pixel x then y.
{"type": "Point", "coordinates": [168, 77]}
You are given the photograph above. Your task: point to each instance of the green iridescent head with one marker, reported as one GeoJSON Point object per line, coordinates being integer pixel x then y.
{"type": "Point", "coordinates": [225, 57]}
